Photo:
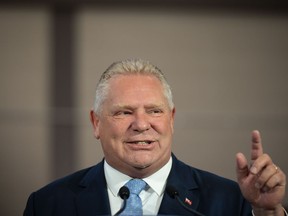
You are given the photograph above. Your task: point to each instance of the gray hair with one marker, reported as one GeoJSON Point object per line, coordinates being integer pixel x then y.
{"type": "Point", "coordinates": [126, 67]}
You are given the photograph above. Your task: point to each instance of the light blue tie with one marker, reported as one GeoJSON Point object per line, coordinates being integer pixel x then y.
{"type": "Point", "coordinates": [134, 203]}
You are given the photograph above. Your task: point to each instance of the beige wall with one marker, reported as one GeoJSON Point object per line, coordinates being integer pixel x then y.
{"type": "Point", "coordinates": [24, 94]}
{"type": "Point", "coordinates": [228, 72]}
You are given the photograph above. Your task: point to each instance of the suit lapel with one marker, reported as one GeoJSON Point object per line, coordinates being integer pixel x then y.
{"type": "Point", "coordinates": [93, 199]}
{"type": "Point", "coordinates": [181, 178]}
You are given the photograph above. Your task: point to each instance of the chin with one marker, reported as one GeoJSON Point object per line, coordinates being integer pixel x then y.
{"type": "Point", "coordinates": [141, 167]}
{"type": "Point", "coordinates": [141, 163]}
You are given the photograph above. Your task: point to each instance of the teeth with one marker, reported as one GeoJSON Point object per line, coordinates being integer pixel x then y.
{"type": "Point", "coordinates": [142, 143]}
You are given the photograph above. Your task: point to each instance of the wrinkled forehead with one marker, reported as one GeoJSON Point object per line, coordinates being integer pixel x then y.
{"type": "Point", "coordinates": [125, 81]}
{"type": "Point", "coordinates": [135, 92]}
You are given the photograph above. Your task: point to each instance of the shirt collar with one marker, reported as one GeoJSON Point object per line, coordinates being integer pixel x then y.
{"type": "Point", "coordinates": [156, 181]}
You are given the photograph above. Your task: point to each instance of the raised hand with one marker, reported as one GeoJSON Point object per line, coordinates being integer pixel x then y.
{"type": "Point", "coordinates": [262, 183]}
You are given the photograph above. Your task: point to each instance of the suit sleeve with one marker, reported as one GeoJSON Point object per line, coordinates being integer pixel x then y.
{"type": "Point", "coordinates": [29, 210]}
{"type": "Point", "coordinates": [246, 209]}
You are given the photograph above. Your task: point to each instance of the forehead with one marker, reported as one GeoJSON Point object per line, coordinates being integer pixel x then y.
{"type": "Point", "coordinates": [135, 86]}
{"type": "Point", "coordinates": [132, 80]}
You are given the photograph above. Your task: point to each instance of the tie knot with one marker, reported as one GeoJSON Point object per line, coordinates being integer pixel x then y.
{"type": "Point", "coordinates": [136, 185]}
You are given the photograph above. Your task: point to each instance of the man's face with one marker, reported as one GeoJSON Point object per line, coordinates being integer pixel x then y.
{"type": "Point", "coordinates": [135, 126]}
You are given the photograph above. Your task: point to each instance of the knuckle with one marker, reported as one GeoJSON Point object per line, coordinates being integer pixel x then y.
{"type": "Point", "coordinates": [266, 157]}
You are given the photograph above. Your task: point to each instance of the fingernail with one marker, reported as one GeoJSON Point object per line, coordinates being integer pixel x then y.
{"type": "Point", "coordinates": [253, 170]}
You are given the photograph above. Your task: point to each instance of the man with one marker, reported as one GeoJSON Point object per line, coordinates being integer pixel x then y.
{"type": "Point", "coordinates": [133, 117]}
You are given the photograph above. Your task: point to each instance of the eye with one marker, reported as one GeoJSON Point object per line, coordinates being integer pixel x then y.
{"type": "Point", "coordinates": [122, 113]}
{"type": "Point", "coordinates": [126, 112]}
{"type": "Point", "coordinates": [155, 111]}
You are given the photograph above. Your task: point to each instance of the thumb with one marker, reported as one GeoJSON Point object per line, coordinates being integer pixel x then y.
{"type": "Point", "coordinates": [242, 169]}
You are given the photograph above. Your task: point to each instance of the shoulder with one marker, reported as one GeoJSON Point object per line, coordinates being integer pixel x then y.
{"type": "Point", "coordinates": [203, 178]}
{"type": "Point", "coordinates": [72, 183]}
{"type": "Point", "coordinates": [215, 182]}
{"type": "Point", "coordinates": [218, 195]}
{"type": "Point", "coordinates": [59, 197]}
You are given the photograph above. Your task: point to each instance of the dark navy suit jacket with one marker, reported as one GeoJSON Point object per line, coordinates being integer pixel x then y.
{"type": "Point", "coordinates": [84, 193]}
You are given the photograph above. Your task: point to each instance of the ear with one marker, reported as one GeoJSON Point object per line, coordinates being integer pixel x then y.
{"type": "Point", "coordinates": [95, 123]}
{"type": "Point", "coordinates": [173, 118]}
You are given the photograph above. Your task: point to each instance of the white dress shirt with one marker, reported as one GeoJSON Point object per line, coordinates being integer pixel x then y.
{"type": "Point", "coordinates": [151, 196]}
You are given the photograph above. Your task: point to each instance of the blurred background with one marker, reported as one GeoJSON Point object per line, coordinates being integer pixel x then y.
{"type": "Point", "coordinates": [227, 64]}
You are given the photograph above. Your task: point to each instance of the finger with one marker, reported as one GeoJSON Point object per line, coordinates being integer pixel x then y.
{"type": "Point", "coordinates": [266, 175]}
{"type": "Point", "coordinates": [259, 165]}
{"type": "Point", "coordinates": [242, 169]}
{"type": "Point", "coordinates": [256, 147]}
{"type": "Point", "coordinates": [278, 179]}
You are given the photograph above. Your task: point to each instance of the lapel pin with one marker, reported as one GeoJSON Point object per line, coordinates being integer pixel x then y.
{"type": "Point", "coordinates": [188, 201]}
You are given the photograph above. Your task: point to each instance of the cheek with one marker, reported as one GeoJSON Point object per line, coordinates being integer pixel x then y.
{"type": "Point", "coordinates": [113, 129]}
{"type": "Point", "coordinates": [164, 127]}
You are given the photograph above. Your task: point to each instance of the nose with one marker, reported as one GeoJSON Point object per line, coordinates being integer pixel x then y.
{"type": "Point", "coordinates": [141, 122]}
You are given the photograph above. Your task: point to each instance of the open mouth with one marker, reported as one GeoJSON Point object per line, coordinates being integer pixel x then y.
{"type": "Point", "coordinates": [141, 142]}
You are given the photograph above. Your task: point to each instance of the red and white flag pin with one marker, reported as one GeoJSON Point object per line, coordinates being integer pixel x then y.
{"type": "Point", "coordinates": [188, 201]}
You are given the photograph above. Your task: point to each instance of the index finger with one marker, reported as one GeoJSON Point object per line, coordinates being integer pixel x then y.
{"type": "Point", "coordinates": [256, 147]}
